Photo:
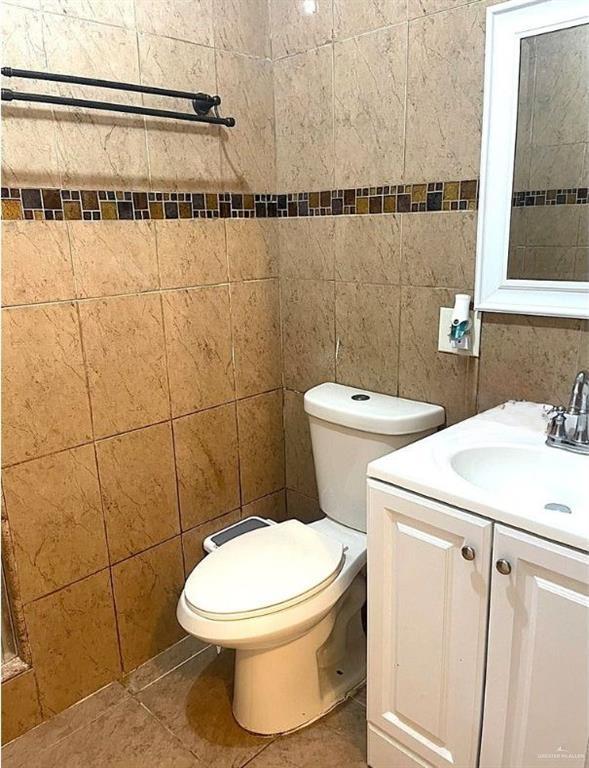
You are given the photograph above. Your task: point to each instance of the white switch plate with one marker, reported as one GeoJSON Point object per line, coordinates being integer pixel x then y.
{"type": "Point", "coordinates": [444, 331]}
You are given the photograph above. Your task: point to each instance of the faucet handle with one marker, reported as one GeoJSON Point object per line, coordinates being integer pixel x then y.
{"type": "Point", "coordinates": [557, 424]}
{"type": "Point", "coordinates": [555, 409]}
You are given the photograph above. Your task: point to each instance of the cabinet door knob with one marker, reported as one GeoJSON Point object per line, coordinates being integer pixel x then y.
{"type": "Point", "coordinates": [468, 553]}
{"type": "Point", "coordinates": [503, 566]}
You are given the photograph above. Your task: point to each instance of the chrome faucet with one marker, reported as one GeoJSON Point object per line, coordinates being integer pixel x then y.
{"type": "Point", "coordinates": [576, 438]}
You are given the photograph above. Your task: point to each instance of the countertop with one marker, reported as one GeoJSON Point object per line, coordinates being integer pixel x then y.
{"type": "Point", "coordinates": [425, 468]}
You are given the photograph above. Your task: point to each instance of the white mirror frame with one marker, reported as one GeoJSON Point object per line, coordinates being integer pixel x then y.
{"type": "Point", "coordinates": [507, 24]}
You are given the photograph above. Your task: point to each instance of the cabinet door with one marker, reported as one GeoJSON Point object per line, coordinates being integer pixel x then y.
{"type": "Point", "coordinates": [427, 610]}
{"type": "Point", "coordinates": [537, 689]}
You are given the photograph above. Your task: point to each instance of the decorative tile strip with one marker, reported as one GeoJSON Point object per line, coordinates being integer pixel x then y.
{"type": "Point", "coordinates": [538, 197]}
{"type": "Point", "coordinates": [97, 205]}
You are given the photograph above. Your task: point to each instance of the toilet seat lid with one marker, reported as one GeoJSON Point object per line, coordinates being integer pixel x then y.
{"type": "Point", "coordinates": [264, 571]}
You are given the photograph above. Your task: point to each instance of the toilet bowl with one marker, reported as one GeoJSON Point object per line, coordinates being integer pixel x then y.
{"type": "Point", "coordinates": [294, 654]}
{"type": "Point", "coordinates": [289, 597]}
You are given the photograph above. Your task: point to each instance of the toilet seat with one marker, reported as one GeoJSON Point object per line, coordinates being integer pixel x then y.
{"type": "Point", "coordinates": [264, 571]}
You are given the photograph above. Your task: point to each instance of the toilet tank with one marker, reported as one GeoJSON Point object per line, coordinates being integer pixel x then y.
{"type": "Point", "coordinates": [351, 427]}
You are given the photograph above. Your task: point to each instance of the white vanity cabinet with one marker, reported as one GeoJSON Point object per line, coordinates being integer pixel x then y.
{"type": "Point", "coordinates": [536, 710]}
{"type": "Point", "coordinates": [458, 649]}
{"type": "Point", "coordinates": [427, 614]}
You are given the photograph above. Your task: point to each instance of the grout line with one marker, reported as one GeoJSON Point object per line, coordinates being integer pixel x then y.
{"type": "Point", "coordinates": [111, 565]}
{"type": "Point", "coordinates": [259, 498]}
{"type": "Point", "coordinates": [274, 117]}
{"type": "Point", "coordinates": [71, 733]}
{"type": "Point", "coordinates": [217, 133]}
{"type": "Point", "coordinates": [271, 740]}
{"type": "Point", "coordinates": [178, 507]}
{"type": "Point", "coordinates": [100, 493]}
{"type": "Point", "coordinates": [173, 436]}
{"type": "Point", "coordinates": [134, 294]}
{"type": "Point", "coordinates": [406, 103]}
{"type": "Point", "coordinates": [400, 314]}
{"type": "Point", "coordinates": [52, 111]}
{"type": "Point", "coordinates": [108, 566]}
{"type": "Point", "coordinates": [333, 104]}
{"type": "Point", "coordinates": [334, 327]}
{"type": "Point", "coordinates": [72, 266]}
{"type": "Point", "coordinates": [134, 694]}
{"type": "Point", "coordinates": [135, 28]}
{"type": "Point", "coordinates": [368, 32]}
{"type": "Point", "coordinates": [103, 568]}
{"type": "Point", "coordinates": [76, 308]}
{"type": "Point", "coordinates": [239, 473]}
{"type": "Point", "coordinates": [175, 736]}
{"type": "Point", "coordinates": [234, 370]}
{"type": "Point", "coordinates": [139, 70]}
{"type": "Point", "coordinates": [98, 476]}
{"type": "Point", "coordinates": [214, 519]}
{"type": "Point", "coordinates": [269, 30]}
{"type": "Point", "coordinates": [335, 40]}
{"type": "Point", "coordinates": [443, 10]}
{"type": "Point", "coordinates": [135, 429]}
{"type": "Point", "coordinates": [304, 495]}
{"type": "Point", "coordinates": [171, 421]}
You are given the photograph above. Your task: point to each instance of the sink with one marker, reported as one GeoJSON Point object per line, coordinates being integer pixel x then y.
{"type": "Point", "coordinates": [497, 465]}
{"type": "Point", "coordinates": [536, 474]}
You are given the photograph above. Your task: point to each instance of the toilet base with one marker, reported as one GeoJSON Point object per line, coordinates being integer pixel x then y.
{"type": "Point", "coordinates": [286, 687]}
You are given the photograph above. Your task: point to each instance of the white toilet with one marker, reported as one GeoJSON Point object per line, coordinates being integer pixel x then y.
{"type": "Point", "coordinates": [289, 597]}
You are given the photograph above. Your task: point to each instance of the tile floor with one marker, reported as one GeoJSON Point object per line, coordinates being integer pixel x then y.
{"type": "Point", "coordinates": [175, 712]}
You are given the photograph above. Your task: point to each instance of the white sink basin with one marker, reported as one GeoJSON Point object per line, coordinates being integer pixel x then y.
{"type": "Point", "coordinates": [497, 465]}
{"type": "Point", "coordinates": [539, 475]}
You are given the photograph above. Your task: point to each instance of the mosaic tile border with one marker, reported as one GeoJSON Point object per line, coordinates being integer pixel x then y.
{"type": "Point", "coordinates": [97, 205]}
{"type": "Point", "coordinates": [103, 205]}
{"type": "Point", "coordinates": [539, 197]}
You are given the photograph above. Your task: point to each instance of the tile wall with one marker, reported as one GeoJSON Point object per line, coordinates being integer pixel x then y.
{"type": "Point", "coordinates": [213, 46]}
{"type": "Point", "coordinates": [391, 91]}
{"type": "Point", "coordinates": [142, 399]}
{"type": "Point", "coordinates": [142, 389]}
{"type": "Point", "coordinates": [146, 397]}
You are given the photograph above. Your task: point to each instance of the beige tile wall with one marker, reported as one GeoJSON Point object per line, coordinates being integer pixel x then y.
{"type": "Point", "coordinates": [376, 326]}
{"type": "Point", "coordinates": [142, 409]}
{"type": "Point", "coordinates": [123, 365]}
{"type": "Point", "coordinates": [146, 398]}
{"type": "Point", "coordinates": [377, 92]}
{"type": "Point", "coordinates": [361, 295]}
{"type": "Point", "coordinates": [215, 46]}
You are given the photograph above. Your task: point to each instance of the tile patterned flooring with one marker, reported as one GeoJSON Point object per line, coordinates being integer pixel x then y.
{"type": "Point", "coordinates": [175, 712]}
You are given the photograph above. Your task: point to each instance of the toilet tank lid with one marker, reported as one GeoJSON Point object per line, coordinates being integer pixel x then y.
{"type": "Point", "coordinates": [371, 411]}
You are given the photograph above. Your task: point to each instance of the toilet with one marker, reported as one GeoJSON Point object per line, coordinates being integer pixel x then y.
{"type": "Point", "coordinates": [288, 597]}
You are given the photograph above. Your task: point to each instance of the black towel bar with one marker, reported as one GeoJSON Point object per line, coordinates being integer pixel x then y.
{"type": "Point", "coordinates": [202, 103]}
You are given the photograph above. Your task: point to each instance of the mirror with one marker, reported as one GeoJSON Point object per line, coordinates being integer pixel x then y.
{"type": "Point", "coordinates": [533, 229]}
{"type": "Point", "coordinates": [548, 236]}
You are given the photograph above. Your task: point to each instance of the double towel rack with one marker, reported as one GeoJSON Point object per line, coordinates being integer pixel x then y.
{"type": "Point", "coordinates": [202, 103]}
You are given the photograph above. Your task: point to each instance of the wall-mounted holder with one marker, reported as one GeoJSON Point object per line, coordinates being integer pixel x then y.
{"type": "Point", "coordinates": [460, 328]}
